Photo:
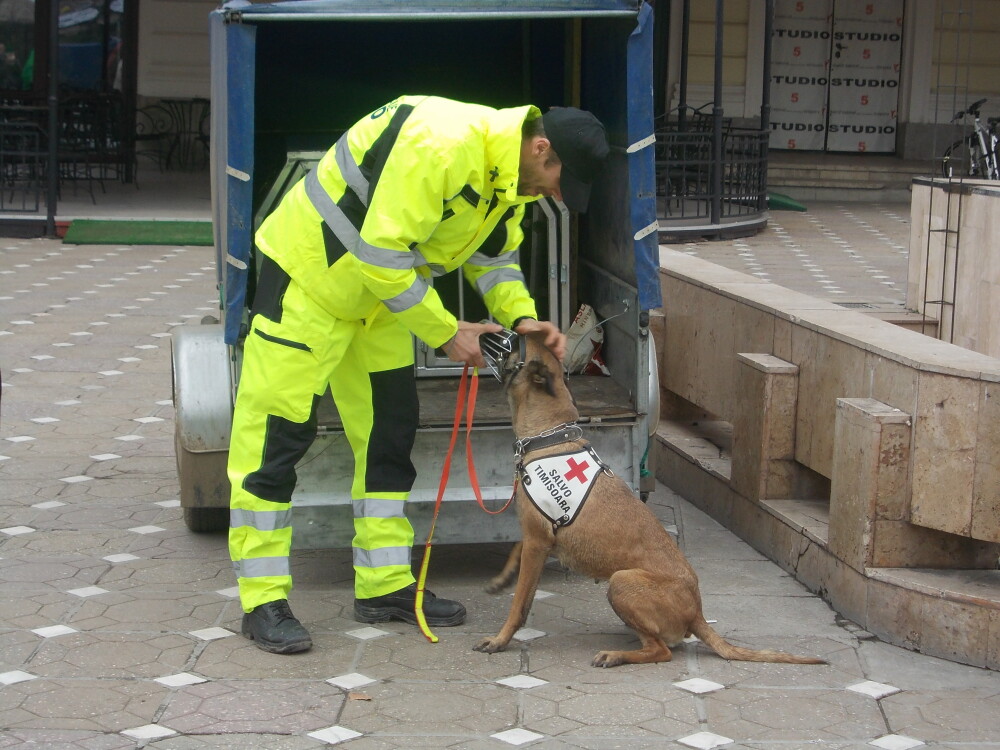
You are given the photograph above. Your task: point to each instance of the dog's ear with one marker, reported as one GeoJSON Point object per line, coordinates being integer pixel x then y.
{"type": "Point", "coordinates": [541, 376]}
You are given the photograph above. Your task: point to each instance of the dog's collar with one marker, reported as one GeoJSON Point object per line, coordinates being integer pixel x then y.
{"type": "Point", "coordinates": [563, 433]}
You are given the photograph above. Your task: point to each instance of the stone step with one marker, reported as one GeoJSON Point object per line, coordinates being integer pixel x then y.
{"type": "Point", "coordinates": [842, 177]}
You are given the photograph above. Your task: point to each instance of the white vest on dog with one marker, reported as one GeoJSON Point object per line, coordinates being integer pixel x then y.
{"type": "Point", "coordinates": [559, 485]}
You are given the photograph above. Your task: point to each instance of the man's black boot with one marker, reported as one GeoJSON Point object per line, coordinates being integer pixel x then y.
{"type": "Point", "coordinates": [399, 605]}
{"type": "Point", "coordinates": [274, 628]}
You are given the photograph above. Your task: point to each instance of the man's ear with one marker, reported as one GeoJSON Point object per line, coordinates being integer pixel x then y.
{"type": "Point", "coordinates": [541, 146]}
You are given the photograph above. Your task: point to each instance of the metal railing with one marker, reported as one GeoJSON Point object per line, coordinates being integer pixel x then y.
{"type": "Point", "coordinates": [686, 170]}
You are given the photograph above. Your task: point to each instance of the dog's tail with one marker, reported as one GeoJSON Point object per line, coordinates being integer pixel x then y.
{"type": "Point", "coordinates": [707, 635]}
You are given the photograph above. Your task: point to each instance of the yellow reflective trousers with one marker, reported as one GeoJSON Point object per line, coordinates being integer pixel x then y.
{"type": "Point", "coordinates": [294, 351]}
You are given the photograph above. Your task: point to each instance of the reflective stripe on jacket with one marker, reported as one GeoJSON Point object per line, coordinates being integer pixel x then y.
{"type": "Point", "coordinates": [417, 188]}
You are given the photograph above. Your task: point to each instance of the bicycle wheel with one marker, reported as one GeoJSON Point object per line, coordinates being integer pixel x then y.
{"type": "Point", "coordinates": [958, 161]}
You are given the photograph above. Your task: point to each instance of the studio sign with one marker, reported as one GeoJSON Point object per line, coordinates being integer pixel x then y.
{"type": "Point", "coordinates": [876, 83]}
{"type": "Point", "coordinates": [840, 36]}
{"type": "Point", "coordinates": [809, 127]}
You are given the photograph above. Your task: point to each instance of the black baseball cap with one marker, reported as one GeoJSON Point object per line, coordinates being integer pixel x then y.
{"type": "Point", "coordinates": [581, 142]}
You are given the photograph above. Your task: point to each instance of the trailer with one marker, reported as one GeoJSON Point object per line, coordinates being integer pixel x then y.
{"type": "Point", "coordinates": [287, 79]}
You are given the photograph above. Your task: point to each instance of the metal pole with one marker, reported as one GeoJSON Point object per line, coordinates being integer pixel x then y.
{"type": "Point", "coordinates": [716, 216]}
{"type": "Point", "coordinates": [682, 94]}
{"type": "Point", "coordinates": [765, 99]}
{"type": "Point", "coordinates": [53, 102]}
{"type": "Point", "coordinates": [765, 95]}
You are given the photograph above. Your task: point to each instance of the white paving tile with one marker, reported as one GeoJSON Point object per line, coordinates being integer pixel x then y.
{"type": "Point", "coordinates": [147, 529]}
{"type": "Point", "coordinates": [211, 634]}
{"type": "Point", "coordinates": [351, 681]}
{"type": "Point", "coordinates": [128, 438]}
{"type": "Point", "coordinates": [522, 681]}
{"type": "Point", "coordinates": [12, 678]}
{"type": "Point", "coordinates": [20, 439]}
{"type": "Point", "coordinates": [147, 420]}
{"type": "Point", "coordinates": [517, 736]}
{"type": "Point", "coordinates": [53, 630]}
{"type": "Point", "coordinates": [87, 591]}
{"type": "Point", "coordinates": [105, 456]}
{"type": "Point", "coordinates": [333, 735]}
{"type": "Point", "coordinates": [120, 558]}
{"type": "Point", "coordinates": [16, 530]}
{"type": "Point", "coordinates": [528, 634]}
{"type": "Point", "coordinates": [44, 420]}
{"type": "Point", "coordinates": [109, 372]}
{"type": "Point", "coordinates": [705, 740]}
{"type": "Point", "coordinates": [168, 503]}
{"type": "Point", "coordinates": [232, 593]}
{"type": "Point", "coordinates": [149, 732]}
{"type": "Point", "coordinates": [68, 402]}
{"type": "Point", "coordinates": [699, 685]}
{"type": "Point", "coordinates": [896, 742]}
{"type": "Point", "coordinates": [366, 634]}
{"type": "Point", "coordinates": [180, 679]}
{"type": "Point", "coordinates": [876, 690]}
{"type": "Point", "coordinates": [48, 505]}
{"type": "Point", "coordinates": [76, 479]}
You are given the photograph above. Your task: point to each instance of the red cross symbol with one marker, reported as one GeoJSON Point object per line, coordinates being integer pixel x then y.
{"type": "Point", "coordinates": [576, 470]}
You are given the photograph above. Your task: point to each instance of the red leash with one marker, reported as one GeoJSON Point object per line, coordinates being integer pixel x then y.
{"type": "Point", "coordinates": [469, 408]}
{"type": "Point", "coordinates": [473, 389]}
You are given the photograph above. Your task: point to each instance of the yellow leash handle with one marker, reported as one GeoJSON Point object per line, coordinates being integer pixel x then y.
{"type": "Point", "coordinates": [418, 604]}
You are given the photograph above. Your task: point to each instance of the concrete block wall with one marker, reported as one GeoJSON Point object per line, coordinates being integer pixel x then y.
{"type": "Point", "coordinates": [954, 269]}
{"type": "Point", "coordinates": [857, 454]}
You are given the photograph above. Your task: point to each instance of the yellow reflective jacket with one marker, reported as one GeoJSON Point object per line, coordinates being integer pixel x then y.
{"type": "Point", "coordinates": [417, 188]}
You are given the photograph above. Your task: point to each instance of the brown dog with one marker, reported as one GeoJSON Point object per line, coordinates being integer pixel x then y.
{"type": "Point", "coordinates": [615, 537]}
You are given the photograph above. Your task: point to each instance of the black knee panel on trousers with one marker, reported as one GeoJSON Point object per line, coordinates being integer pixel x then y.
{"type": "Point", "coordinates": [395, 413]}
{"type": "Point", "coordinates": [285, 444]}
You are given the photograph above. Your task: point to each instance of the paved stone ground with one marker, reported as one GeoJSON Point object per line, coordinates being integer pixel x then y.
{"type": "Point", "coordinates": [118, 627]}
{"type": "Point", "coordinates": [849, 253]}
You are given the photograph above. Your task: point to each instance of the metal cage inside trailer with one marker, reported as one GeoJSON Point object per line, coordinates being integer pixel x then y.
{"type": "Point", "coordinates": [287, 79]}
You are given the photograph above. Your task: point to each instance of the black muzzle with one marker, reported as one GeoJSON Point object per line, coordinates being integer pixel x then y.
{"type": "Point", "coordinates": [498, 351]}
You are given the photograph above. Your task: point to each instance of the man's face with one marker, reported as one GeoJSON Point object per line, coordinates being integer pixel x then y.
{"type": "Point", "coordinates": [539, 173]}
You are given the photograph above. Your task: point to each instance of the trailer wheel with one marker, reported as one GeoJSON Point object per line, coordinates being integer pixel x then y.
{"type": "Point", "coordinates": [206, 520]}
{"type": "Point", "coordinates": [204, 489]}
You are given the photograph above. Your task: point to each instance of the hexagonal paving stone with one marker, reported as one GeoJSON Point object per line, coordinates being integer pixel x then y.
{"type": "Point", "coordinates": [271, 706]}
{"type": "Point", "coordinates": [112, 655]}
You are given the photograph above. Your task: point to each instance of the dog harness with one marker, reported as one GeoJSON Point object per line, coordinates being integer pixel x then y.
{"type": "Point", "coordinates": [558, 485]}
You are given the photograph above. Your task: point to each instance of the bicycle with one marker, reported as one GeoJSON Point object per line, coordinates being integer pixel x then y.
{"type": "Point", "coordinates": [975, 155]}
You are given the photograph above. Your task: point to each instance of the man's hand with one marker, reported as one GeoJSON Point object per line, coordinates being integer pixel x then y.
{"type": "Point", "coordinates": [554, 338]}
{"type": "Point", "coordinates": [464, 345]}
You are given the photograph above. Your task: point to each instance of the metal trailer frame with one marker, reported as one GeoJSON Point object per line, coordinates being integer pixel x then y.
{"type": "Point", "coordinates": [276, 92]}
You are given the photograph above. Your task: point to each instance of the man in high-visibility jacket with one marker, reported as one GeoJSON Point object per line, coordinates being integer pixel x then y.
{"type": "Point", "coordinates": [417, 188]}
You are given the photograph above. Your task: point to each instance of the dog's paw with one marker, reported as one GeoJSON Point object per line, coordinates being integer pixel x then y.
{"type": "Point", "coordinates": [495, 586]}
{"type": "Point", "coordinates": [607, 659]}
{"type": "Point", "coordinates": [490, 646]}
